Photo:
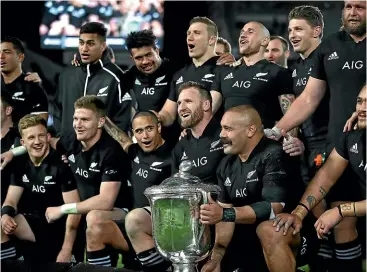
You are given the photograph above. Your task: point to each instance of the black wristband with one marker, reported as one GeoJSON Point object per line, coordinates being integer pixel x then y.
{"type": "Point", "coordinates": [229, 215]}
{"type": "Point", "coordinates": [9, 210]}
{"type": "Point", "coordinates": [304, 206]}
{"type": "Point", "coordinates": [340, 211]}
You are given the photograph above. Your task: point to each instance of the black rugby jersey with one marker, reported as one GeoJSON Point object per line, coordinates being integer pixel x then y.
{"type": "Point", "coordinates": [315, 128]}
{"type": "Point", "coordinates": [205, 152]}
{"type": "Point", "coordinates": [104, 161]}
{"type": "Point", "coordinates": [43, 185]}
{"type": "Point", "coordinates": [340, 61]}
{"type": "Point", "coordinates": [352, 147]}
{"type": "Point", "coordinates": [28, 96]}
{"type": "Point", "coordinates": [258, 85]}
{"type": "Point", "coordinates": [148, 169]}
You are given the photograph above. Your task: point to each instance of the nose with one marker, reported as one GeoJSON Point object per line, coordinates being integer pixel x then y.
{"type": "Point", "coordinates": [222, 134]}
{"type": "Point", "coordinates": [353, 11]}
{"type": "Point", "coordinates": [145, 134]}
{"type": "Point", "coordinates": [84, 47]}
{"type": "Point", "coordinates": [37, 140]}
{"type": "Point", "coordinates": [2, 55]}
{"type": "Point", "coordinates": [145, 60]}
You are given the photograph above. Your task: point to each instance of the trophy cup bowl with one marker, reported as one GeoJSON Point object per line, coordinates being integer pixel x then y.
{"type": "Point", "coordinates": [177, 232]}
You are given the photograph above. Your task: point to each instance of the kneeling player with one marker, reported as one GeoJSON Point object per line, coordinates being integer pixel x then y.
{"type": "Point", "coordinates": [257, 182]}
{"type": "Point", "coordinates": [39, 180]}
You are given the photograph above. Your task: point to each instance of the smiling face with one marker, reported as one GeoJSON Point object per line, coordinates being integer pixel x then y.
{"type": "Point", "coordinates": [275, 53]}
{"type": "Point", "coordinates": [301, 34]}
{"type": "Point", "coordinates": [361, 108]}
{"type": "Point", "coordinates": [86, 124]}
{"type": "Point", "coordinates": [146, 59]}
{"type": "Point", "coordinates": [354, 17]}
{"type": "Point", "coordinates": [36, 140]}
{"type": "Point", "coordinates": [91, 47]}
{"type": "Point", "coordinates": [147, 133]}
{"type": "Point", "coordinates": [190, 107]}
{"type": "Point", "coordinates": [251, 39]}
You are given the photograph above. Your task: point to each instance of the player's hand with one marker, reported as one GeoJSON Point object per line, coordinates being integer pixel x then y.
{"type": "Point", "coordinates": [53, 214]}
{"type": "Point", "coordinates": [226, 58]}
{"type": "Point", "coordinates": [349, 124]}
{"type": "Point", "coordinates": [6, 157]}
{"type": "Point", "coordinates": [33, 77]}
{"type": "Point", "coordinates": [293, 146]}
{"type": "Point", "coordinates": [327, 221]}
{"type": "Point", "coordinates": [64, 158]}
{"type": "Point", "coordinates": [274, 133]}
{"type": "Point", "coordinates": [286, 220]}
{"type": "Point", "coordinates": [211, 213]}
{"type": "Point", "coordinates": [75, 61]}
{"type": "Point", "coordinates": [8, 224]}
{"type": "Point", "coordinates": [211, 266]}
{"type": "Point", "coordinates": [183, 134]}
{"type": "Point", "coordinates": [64, 256]}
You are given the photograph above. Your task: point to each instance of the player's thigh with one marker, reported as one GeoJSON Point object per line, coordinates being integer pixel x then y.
{"type": "Point", "coordinates": [23, 230]}
{"type": "Point", "coordinates": [141, 219]}
{"type": "Point", "coordinates": [97, 216]}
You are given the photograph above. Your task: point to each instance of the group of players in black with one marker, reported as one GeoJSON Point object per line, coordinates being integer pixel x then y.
{"type": "Point", "coordinates": [271, 136]}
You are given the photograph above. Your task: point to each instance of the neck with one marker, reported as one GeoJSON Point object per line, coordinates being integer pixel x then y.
{"type": "Point", "coordinates": [358, 38]}
{"type": "Point", "coordinates": [200, 60]}
{"type": "Point", "coordinates": [5, 126]}
{"type": "Point", "coordinates": [250, 146]}
{"type": "Point", "coordinates": [315, 44]}
{"type": "Point", "coordinates": [38, 161]}
{"type": "Point", "coordinates": [160, 143]}
{"type": "Point", "coordinates": [89, 143]}
{"type": "Point", "coordinates": [10, 77]}
{"type": "Point", "coordinates": [254, 58]}
{"type": "Point", "coordinates": [198, 130]}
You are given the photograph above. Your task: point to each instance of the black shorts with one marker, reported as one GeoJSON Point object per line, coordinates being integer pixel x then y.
{"type": "Point", "coordinates": [311, 161]}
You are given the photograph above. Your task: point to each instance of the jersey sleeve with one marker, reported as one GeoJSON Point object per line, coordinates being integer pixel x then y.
{"type": "Point", "coordinates": [67, 178]}
{"type": "Point", "coordinates": [132, 151]}
{"type": "Point", "coordinates": [341, 146]}
{"type": "Point", "coordinates": [38, 99]}
{"type": "Point", "coordinates": [223, 195]}
{"type": "Point", "coordinates": [318, 69]}
{"type": "Point", "coordinates": [173, 86]}
{"type": "Point", "coordinates": [116, 166]}
{"type": "Point", "coordinates": [16, 175]}
{"type": "Point", "coordinates": [216, 84]}
{"type": "Point", "coordinates": [66, 143]}
{"type": "Point", "coordinates": [284, 82]}
{"type": "Point", "coordinates": [176, 152]}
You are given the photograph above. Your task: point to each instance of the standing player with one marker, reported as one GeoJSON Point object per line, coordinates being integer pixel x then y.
{"type": "Point", "coordinates": [339, 63]}
{"type": "Point", "coordinates": [277, 51]}
{"type": "Point", "coordinates": [223, 46]}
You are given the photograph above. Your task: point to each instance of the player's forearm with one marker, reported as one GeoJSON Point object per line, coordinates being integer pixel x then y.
{"type": "Point", "coordinates": [223, 236]}
{"type": "Point", "coordinates": [53, 142]}
{"type": "Point", "coordinates": [166, 118]}
{"type": "Point", "coordinates": [71, 230]}
{"type": "Point", "coordinates": [120, 136]}
{"type": "Point", "coordinates": [245, 215]}
{"type": "Point", "coordinates": [353, 209]}
{"type": "Point", "coordinates": [98, 202]}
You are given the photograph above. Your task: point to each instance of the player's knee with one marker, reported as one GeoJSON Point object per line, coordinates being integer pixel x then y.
{"type": "Point", "coordinates": [267, 234]}
{"type": "Point", "coordinates": [134, 221]}
{"type": "Point", "coordinates": [94, 217]}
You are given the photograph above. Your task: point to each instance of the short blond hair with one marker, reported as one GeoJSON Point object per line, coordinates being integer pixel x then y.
{"type": "Point", "coordinates": [30, 120]}
{"type": "Point", "coordinates": [211, 26]}
{"type": "Point", "coordinates": [91, 102]}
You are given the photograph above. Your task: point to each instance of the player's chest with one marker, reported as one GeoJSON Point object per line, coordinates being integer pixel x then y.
{"type": "Point", "coordinates": [300, 77]}
{"type": "Point", "coordinates": [152, 90]}
{"type": "Point", "coordinates": [149, 169]}
{"type": "Point", "coordinates": [85, 167]}
{"type": "Point", "coordinates": [204, 75]}
{"type": "Point", "coordinates": [41, 182]}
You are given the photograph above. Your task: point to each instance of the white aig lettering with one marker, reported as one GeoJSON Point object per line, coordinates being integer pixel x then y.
{"type": "Point", "coordinates": [244, 84]}
{"type": "Point", "coordinates": [353, 65]}
{"type": "Point", "coordinates": [148, 91]}
{"type": "Point", "coordinates": [200, 161]}
{"type": "Point", "coordinates": [241, 192]}
{"type": "Point", "coordinates": [143, 173]}
{"type": "Point", "coordinates": [38, 188]}
{"type": "Point", "coordinates": [81, 172]}
{"type": "Point", "coordinates": [301, 82]}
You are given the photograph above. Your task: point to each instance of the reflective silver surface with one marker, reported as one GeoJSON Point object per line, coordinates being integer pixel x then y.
{"type": "Point", "coordinates": [177, 232]}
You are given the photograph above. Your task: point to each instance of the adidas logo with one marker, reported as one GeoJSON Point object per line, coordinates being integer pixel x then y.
{"type": "Point", "coordinates": [294, 74]}
{"type": "Point", "coordinates": [184, 157]}
{"type": "Point", "coordinates": [333, 56]}
{"type": "Point", "coordinates": [71, 158]}
{"type": "Point", "coordinates": [309, 71]}
{"type": "Point", "coordinates": [137, 82]}
{"type": "Point", "coordinates": [24, 178]}
{"type": "Point", "coordinates": [227, 182]}
{"type": "Point", "coordinates": [126, 97]}
{"type": "Point", "coordinates": [180, 80]}
{"type": "Point", "coordinates": [229, 76]}
{"type": "Point", "coordinates": [137, 160]}
{"type": "Point", "coordinates": [354, 149]}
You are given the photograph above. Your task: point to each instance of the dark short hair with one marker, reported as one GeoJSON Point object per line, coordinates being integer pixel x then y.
{"type": "Point", "coordinates": [203, 91]}
{"type": "Point", "coordinates": [285, 43]}
{"type": "Point", "coordinates": [227, 45]}
{"type": "Point", "coordinates": [91, 102]}
{"type": "Point", "coordinates": [211, 26]}
{"type": "Point", "coordinates": [94, 28]}
{"type": "Point", "coordinates": [110, 53]}
{"type": "Point", "coordinates": [17, 44]}
{"type": "Point", "coordinates": [138, 39]}
{"type": "Point", "coordinates": [311, 14]}
{"type": "Point", "coordinates": [145, 114]}
{"type": "Point", "coordinates": [30, 120]}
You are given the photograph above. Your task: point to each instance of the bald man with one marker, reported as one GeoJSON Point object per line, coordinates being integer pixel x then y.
{"type": "Point", "coordinates": [252, 80]}
{"type": "Point", "coordinates": [257, 182]}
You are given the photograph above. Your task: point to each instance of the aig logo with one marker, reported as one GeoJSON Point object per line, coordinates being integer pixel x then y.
{"type": "Point", "coordinates": [242, 84]}
{"type": "Point", "coordinates": [148, 91]}
{"type": "Point", "coordinates": [38, 188]}
{"type": "Point", "coordinates": [200, 161]}
{"type": "Point", "coordinates": [142, 173]}
{"type": "Point", "coordinates": [301, 82]}
{"type": "Point", "coordinates": [353, 65]}
{"type": "Point", "coordinates": [81, 172]}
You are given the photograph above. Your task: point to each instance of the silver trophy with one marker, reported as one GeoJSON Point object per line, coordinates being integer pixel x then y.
{"type": "Point", "coordinates": [177, 232]}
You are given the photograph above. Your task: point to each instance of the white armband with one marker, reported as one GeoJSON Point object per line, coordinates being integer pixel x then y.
{"type": "Point", "coordinates": [69, 208]}
{"type": "Point", "coordinates": [20, 150]}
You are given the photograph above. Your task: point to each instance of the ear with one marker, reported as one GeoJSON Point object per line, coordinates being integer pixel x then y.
{"type": "Point", "coordinates": [212, 40]}
{"type": "Point", "coordinates": [287, 53]}
{"type": "Point", "coordinates": [103, 46]}
{"type": "Point", "coordinates": [159, 128]}
{"type": "Point", "coordinates": [157, 51]}
{"type": "Point", "coordinates": [8, 110]}
{"type": "Point", "coordinates": [101, 122]}
{"type": "Point", "coordinates": [251, 130]}
{"type": "Point", "coordinates": [206, 105]}
{"type": "Point", "coordinates": [48, 137]}
{"type": "Point", "coordinates": [22, 142]}
{"type": "Point", "coordinates": [21, 57]}
{"type": "Point", "coordinates": [317, 31]}
{"type": "Point", "coordinates": [265, 41]}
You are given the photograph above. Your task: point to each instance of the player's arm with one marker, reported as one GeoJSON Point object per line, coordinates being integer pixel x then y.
{"type": "Point", "coordinates": [304, 105]}
{"type": "Point", "coordinates": [216, 100]}
{"type": "Point", "coordinates": [321, 184]}
{"type": "Point", "coordinates": [39, 101]}
{"type": "Point", "coordinates": [9, 209]}
{"type": "Point", "coordinates": [286, 101]}
{"type": "Point", "coordinates": [167, 115]}
{"type": "Point", "coordinates": [120, 136]}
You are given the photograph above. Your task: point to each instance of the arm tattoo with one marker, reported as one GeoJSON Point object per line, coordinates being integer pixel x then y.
{"type": "Point", "coordinates": [311, 200]}
{"type": "Point", "coordinates": [322, 191]}
{"type": "Point", "coordinates": [116, 133]}
{"type": "Point", "coordinates": [285, 101]}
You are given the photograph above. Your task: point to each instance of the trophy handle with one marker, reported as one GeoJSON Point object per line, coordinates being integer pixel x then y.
{"type": "Point", "coordinates": [204, 195]}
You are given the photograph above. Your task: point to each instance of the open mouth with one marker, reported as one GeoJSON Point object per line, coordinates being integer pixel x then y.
{"type": "Point", "coordinates": [85, 56]}
{"type": "Point", "coordinates": [38, 148]}
{"type": "Point", "coordinates": [191, 46]}
{"type": "Point", "coordinates": [226, 143]}
{"type": "Point", "coordinates": [185, 115]}
{"type": "Point", "coordinates": [362, 115]}
{"type": "Point", "coordinates": [146, 143]}
{"type": "Point", "coordinates": [295, 43]}
{"type": "Point", "coordinates": [148, 68]}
